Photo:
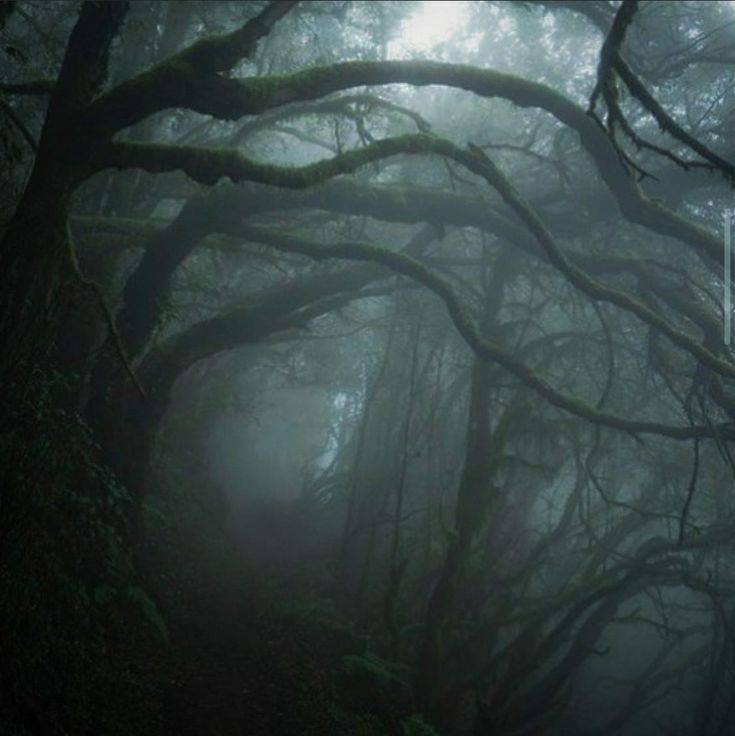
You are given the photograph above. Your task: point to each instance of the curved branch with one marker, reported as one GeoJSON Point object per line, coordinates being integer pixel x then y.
{"type": "Point", "coordinates": [610, 51]}
{"type": "Point", "coordinates": [184, 76]}
{"type": "Point", "coordinates": [208, 165]}
{"type": "Point", "coordinates": [180, 85]}
{"type": "Point", "coordinates": [581, 280]}
{"type": "Point", "coordinates": [336, 105]}
{"type": "Point", "coordinates": [611, 59]}
{"type": "Point", "coordinates": [273, 310]}
{"type": "Point", "coordinates": [667, 123]}
{"type": "Point", "coordinates": [414, 269]}
{"type": "Point", "coordinates": [221, 53]}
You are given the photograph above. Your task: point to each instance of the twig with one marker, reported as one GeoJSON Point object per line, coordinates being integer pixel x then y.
{"type": "Point", "coordinates": [109, 317]}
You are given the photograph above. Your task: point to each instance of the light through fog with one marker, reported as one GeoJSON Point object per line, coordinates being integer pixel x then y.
{"type": "Point", "coordinates": [434, 22]}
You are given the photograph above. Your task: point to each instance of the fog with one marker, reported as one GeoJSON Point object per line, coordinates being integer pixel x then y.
{"type": "Point", "coordinates": [368, 368]}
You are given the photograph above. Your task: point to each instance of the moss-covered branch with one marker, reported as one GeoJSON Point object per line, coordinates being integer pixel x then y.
{"type": "Point", "coordinates": [274, 309]}
{"type": "Point", "coordinates": [414, 269]}
{"type": "Point", "coordinates": [192, 74]}
{"type": "Point", "coordinates": [268, 312]}
{"type": "Point", "coordinates": [667, 123]}
{"type": "Point", "coordinates": [208, 165]}
{"type": "Point", "coordinates": [351, 106]}
{"type": "Point", "coordinates": [610, 50]}
{"type": "Point", "coordinates": [580, 279]}
{"type": "Point", "coordinates": [221, 53]}
{"type": "Point", "coordinates": [611, 59]}
{"type": "Point", "coordinates": [179, 84]}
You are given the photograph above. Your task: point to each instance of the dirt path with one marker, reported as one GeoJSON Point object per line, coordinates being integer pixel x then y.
{"type": "Point", "coordinates": [246, 672]}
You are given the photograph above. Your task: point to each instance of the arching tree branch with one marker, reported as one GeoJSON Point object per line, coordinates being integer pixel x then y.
{"type": "Point", "coordinates": [465, 325]}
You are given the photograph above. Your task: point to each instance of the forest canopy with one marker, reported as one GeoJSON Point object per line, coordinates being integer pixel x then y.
{"type": "Point", "coordinates": [367, 367]}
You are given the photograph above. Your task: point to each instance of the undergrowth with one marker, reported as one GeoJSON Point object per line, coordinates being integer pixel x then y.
{"type": "Point", "coordinates": [81, 640]}
{"type": "Point", "coordinates": [86, 650]}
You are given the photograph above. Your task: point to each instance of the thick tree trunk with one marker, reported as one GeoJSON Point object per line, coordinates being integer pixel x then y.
{"type": "Point", "coordinates": [472, 502]}
{"type": "Point", "coordinates": [475, 497]}
{"type": "Point", "coordinates": [34, 265]}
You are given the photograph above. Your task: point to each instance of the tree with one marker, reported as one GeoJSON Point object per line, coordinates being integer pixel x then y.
{"type": "Point", "coordinates": [541, 246]}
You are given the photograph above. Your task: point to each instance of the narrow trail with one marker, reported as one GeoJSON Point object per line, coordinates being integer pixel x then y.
{"type": "Point", "coordinates": [245, 668]}
{"type": "Point", "coordinates": [241, 674]}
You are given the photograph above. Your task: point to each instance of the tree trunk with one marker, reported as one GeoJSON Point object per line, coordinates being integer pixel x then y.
{"type": "Point", "coordinates": [472, 501]}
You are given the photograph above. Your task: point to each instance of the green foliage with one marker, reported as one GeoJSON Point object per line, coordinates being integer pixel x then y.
{"type": "Point", "coordinates": [148, 608]}
{"type": "Point", "coordinates": [370, 685]}
{"type": "Point", "coordinates": [69, 650]}
{"type": "Point", "coordinates": [349, 723]}
{"type": "Point", "coordinates": [316, 610]}
{"type": "Point", "coordinates": [369, 666]}
{"type": "Point", "coordinates": [415, 725]}
{"type": "Point", "coordinates": [106, 596]}
{"type": "Point", "coordinates": [352, 724]}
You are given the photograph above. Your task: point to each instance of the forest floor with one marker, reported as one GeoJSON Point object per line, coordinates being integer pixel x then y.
{"type": "Point", "coordinates": [258, 654]}
{"type": "Point", "coordinates": [248, 671]}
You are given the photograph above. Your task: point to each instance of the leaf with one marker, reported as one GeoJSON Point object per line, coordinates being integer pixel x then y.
{"type": "Point", "coordinates": [156, 514]}
{"type": "Point", "coordinates": [149, 609]}
{"type": "Point", "coordinates": [415, 725]}
{"type": "Point", "coordinates": [103, 594]}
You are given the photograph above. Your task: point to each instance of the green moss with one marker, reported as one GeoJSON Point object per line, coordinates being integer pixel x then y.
{"type": "Point", "coordinates": [415, 725]}
{"type": "Point", "coordinates": [259, 91]}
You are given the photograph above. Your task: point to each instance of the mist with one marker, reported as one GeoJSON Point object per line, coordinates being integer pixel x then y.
{"type": "Point", "coordinates": [367, 368]}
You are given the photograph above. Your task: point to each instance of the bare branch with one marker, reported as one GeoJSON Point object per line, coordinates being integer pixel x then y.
{"type": "Point", "coordinates": [610, 51]}
{"type": "Point", "coordinates": [209, 165]}
{"type": "Point", "coordinates": [180, 85]}
{"type": "Point", "coordinates": [465, 325]}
